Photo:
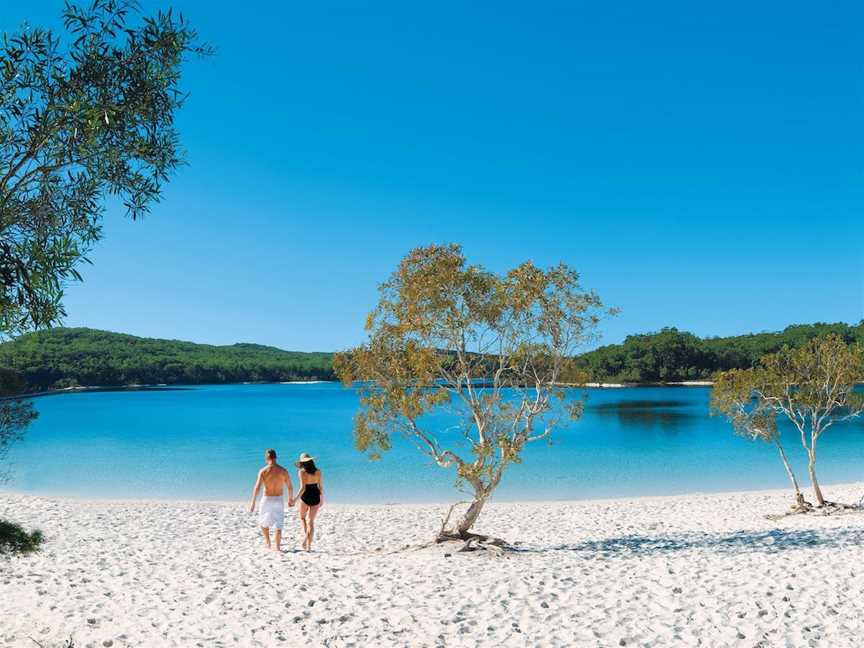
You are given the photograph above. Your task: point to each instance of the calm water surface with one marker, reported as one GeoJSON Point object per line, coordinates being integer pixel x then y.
{"type": "Point", "coordinates": [207, 443]}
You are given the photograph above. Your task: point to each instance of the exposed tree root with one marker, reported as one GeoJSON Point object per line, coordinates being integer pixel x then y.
{"type": "Point", "coordinates": [831, 508]}
{"type": "Point", "coordinates": [803, 507]}
{"type": "Point", "coordinates": [470, 541]}
{"type": "Point", "coordinates": [70, 643]}
{"type": "Point", "coordinates": [475, 542]}
{"type": "Point", "coordinates": [446, 519]}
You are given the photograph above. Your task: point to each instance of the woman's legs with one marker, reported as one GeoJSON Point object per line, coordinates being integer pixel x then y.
{"type": "Point", "coordinates": [310, 525]}
{"type": "Point", "coordinates": [303, 508]}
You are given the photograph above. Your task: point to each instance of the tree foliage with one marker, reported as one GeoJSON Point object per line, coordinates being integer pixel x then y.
{"type": "Point", "coordinates": [671, 355]}
{"type": "Point", "coordinates": [15, 413]}
{"type": "Point", "coordinates": [81, 120]}
{"type": "Point", "coordinates": [812, 387]}
{"type": "Point", "coordinates": [68, 357]}
{"type": "Point", "coordinates": [490, 349]}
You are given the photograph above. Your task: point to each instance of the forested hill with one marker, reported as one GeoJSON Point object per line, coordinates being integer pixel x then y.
{"type": "Point", "coordinates": [64, 357]}
{"type": "Point", "coordinates": [672, 355]}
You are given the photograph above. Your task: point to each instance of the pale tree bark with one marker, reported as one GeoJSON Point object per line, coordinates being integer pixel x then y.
{"type": "Point", "coordinates": [801, 504]}
{"type": "Point", "coordinates": [811, 468]}
{"type": "Point", "coordinates": [470, 516]}
{"type": "Point", "coordinates": [789, 471]}
{"type": "Point", "coordinates": [810, 447]}
{"type": "Point", "coordinates": [800, 421]}
{"type": "Point", "coordinates": [482, 493]}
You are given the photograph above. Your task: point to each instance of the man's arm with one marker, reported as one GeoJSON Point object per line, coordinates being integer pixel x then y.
{"type": "Point", "coordinates": [255, 491]}
{"type": "Point", "coordinates": [290, 488]}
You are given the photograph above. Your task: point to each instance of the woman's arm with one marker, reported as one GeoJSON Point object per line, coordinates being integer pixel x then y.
{"type": "Point", "coordinates": [302, 484]}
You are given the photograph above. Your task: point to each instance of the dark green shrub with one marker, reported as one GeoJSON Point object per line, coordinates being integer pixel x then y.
{"type": "Point", "coordinates": [15, 540]}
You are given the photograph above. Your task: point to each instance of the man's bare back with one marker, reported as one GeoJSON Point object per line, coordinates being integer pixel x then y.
{"type": "Point", "coordinates": [274, 478]}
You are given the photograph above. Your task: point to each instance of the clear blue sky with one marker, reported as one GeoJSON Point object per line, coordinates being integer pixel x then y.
{"type": "Point", "coordinates": [699, 163]}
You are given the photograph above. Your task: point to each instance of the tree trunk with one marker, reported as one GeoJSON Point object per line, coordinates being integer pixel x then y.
{"type": "Point", "coordinates": [811, 467]}
{"type": "Point", "coordinates": [790, 472]}
{"type": "Point", "coordinates": [470, 517]}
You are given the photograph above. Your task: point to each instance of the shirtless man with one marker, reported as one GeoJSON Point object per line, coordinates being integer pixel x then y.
{"type": "Point", "coordinates": [271, 514]}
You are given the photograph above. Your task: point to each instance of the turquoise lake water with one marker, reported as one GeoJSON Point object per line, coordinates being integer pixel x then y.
{"type": "Point", "coordinates": [207, 443]}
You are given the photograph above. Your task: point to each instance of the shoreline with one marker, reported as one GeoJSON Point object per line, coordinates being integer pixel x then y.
{"type": "Point", "coordinates": [157, 387]}
{"type": "Point", "coordinates": [610, 499]}
{"type": "Point", "coordinates": [184, 387]}
{"type": "Point", "coordinates": [682, 383]}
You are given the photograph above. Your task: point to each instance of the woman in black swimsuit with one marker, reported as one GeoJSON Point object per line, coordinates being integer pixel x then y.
{"type": "Point", "coordinates": [311, 496]}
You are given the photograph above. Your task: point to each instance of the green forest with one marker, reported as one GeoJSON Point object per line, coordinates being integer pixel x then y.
{"type": "Point", "coordinates": [671, 355]}
{"type": "Point", "coordinates": [70, 357]}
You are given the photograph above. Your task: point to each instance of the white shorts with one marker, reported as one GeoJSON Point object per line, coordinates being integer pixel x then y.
{"type": "Point", "coordinates": [271, 512]}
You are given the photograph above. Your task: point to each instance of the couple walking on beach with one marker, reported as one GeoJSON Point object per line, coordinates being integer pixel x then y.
{"type": "Point", "coordinates": [271, 509]}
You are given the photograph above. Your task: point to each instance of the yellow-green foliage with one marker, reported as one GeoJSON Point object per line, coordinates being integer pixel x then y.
{"type": "Point", "coordinates": [813, 386]}
{"type": "Point", "coordinates": [491, 349]}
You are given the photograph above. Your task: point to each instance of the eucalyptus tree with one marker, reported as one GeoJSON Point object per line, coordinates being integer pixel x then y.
{"type": "Point", "coordinates": [752, 418]}
{"type": "Point", "coordinates": [82, 118]}
{"type": "Point", "coordinates": [488, 348]}
{"type": "Point", "coordinates": [812, 387]}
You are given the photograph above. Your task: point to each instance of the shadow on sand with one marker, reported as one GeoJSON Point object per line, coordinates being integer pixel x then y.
{"type": "Point", "coordinates": [771, 541]}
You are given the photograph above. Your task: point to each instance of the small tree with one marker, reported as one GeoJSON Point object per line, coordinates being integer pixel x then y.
{"type": "Point", "coordinates": [15, 415]}
{"type": "Point", "coordinates": [813, 387]}
{"type": "Point", "coordinates": [751, 417]}
{"type": "Point", "coordinates": [489, 348]}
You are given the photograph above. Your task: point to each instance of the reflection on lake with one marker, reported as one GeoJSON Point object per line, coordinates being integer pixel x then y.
{"type": "Point", "coordinates": [668, 415]}
{"type": "Point", "coordinates": [640, 404]}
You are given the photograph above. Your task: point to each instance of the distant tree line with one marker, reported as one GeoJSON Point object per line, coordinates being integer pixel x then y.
{"type": "Point", "coordinates": [69, 357]}
{"type": "Point", "coordinates": [671, 355]}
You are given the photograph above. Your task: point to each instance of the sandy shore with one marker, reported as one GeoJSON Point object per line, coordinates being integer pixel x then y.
{"type": "Point", "coordinates": [697, 570]}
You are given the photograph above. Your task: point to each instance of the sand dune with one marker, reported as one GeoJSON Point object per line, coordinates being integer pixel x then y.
{"type": "Point", "coordinates": [677, 571]}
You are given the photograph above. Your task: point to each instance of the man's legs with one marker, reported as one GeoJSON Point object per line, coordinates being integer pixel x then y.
{"type": "Point", "coordinates": [278, 539]}
{"type": "Point", "coordinates": [266, 533]}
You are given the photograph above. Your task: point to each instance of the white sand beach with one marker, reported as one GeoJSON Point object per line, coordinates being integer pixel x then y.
{"type": "Point", "coordinates": [696, 570]}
